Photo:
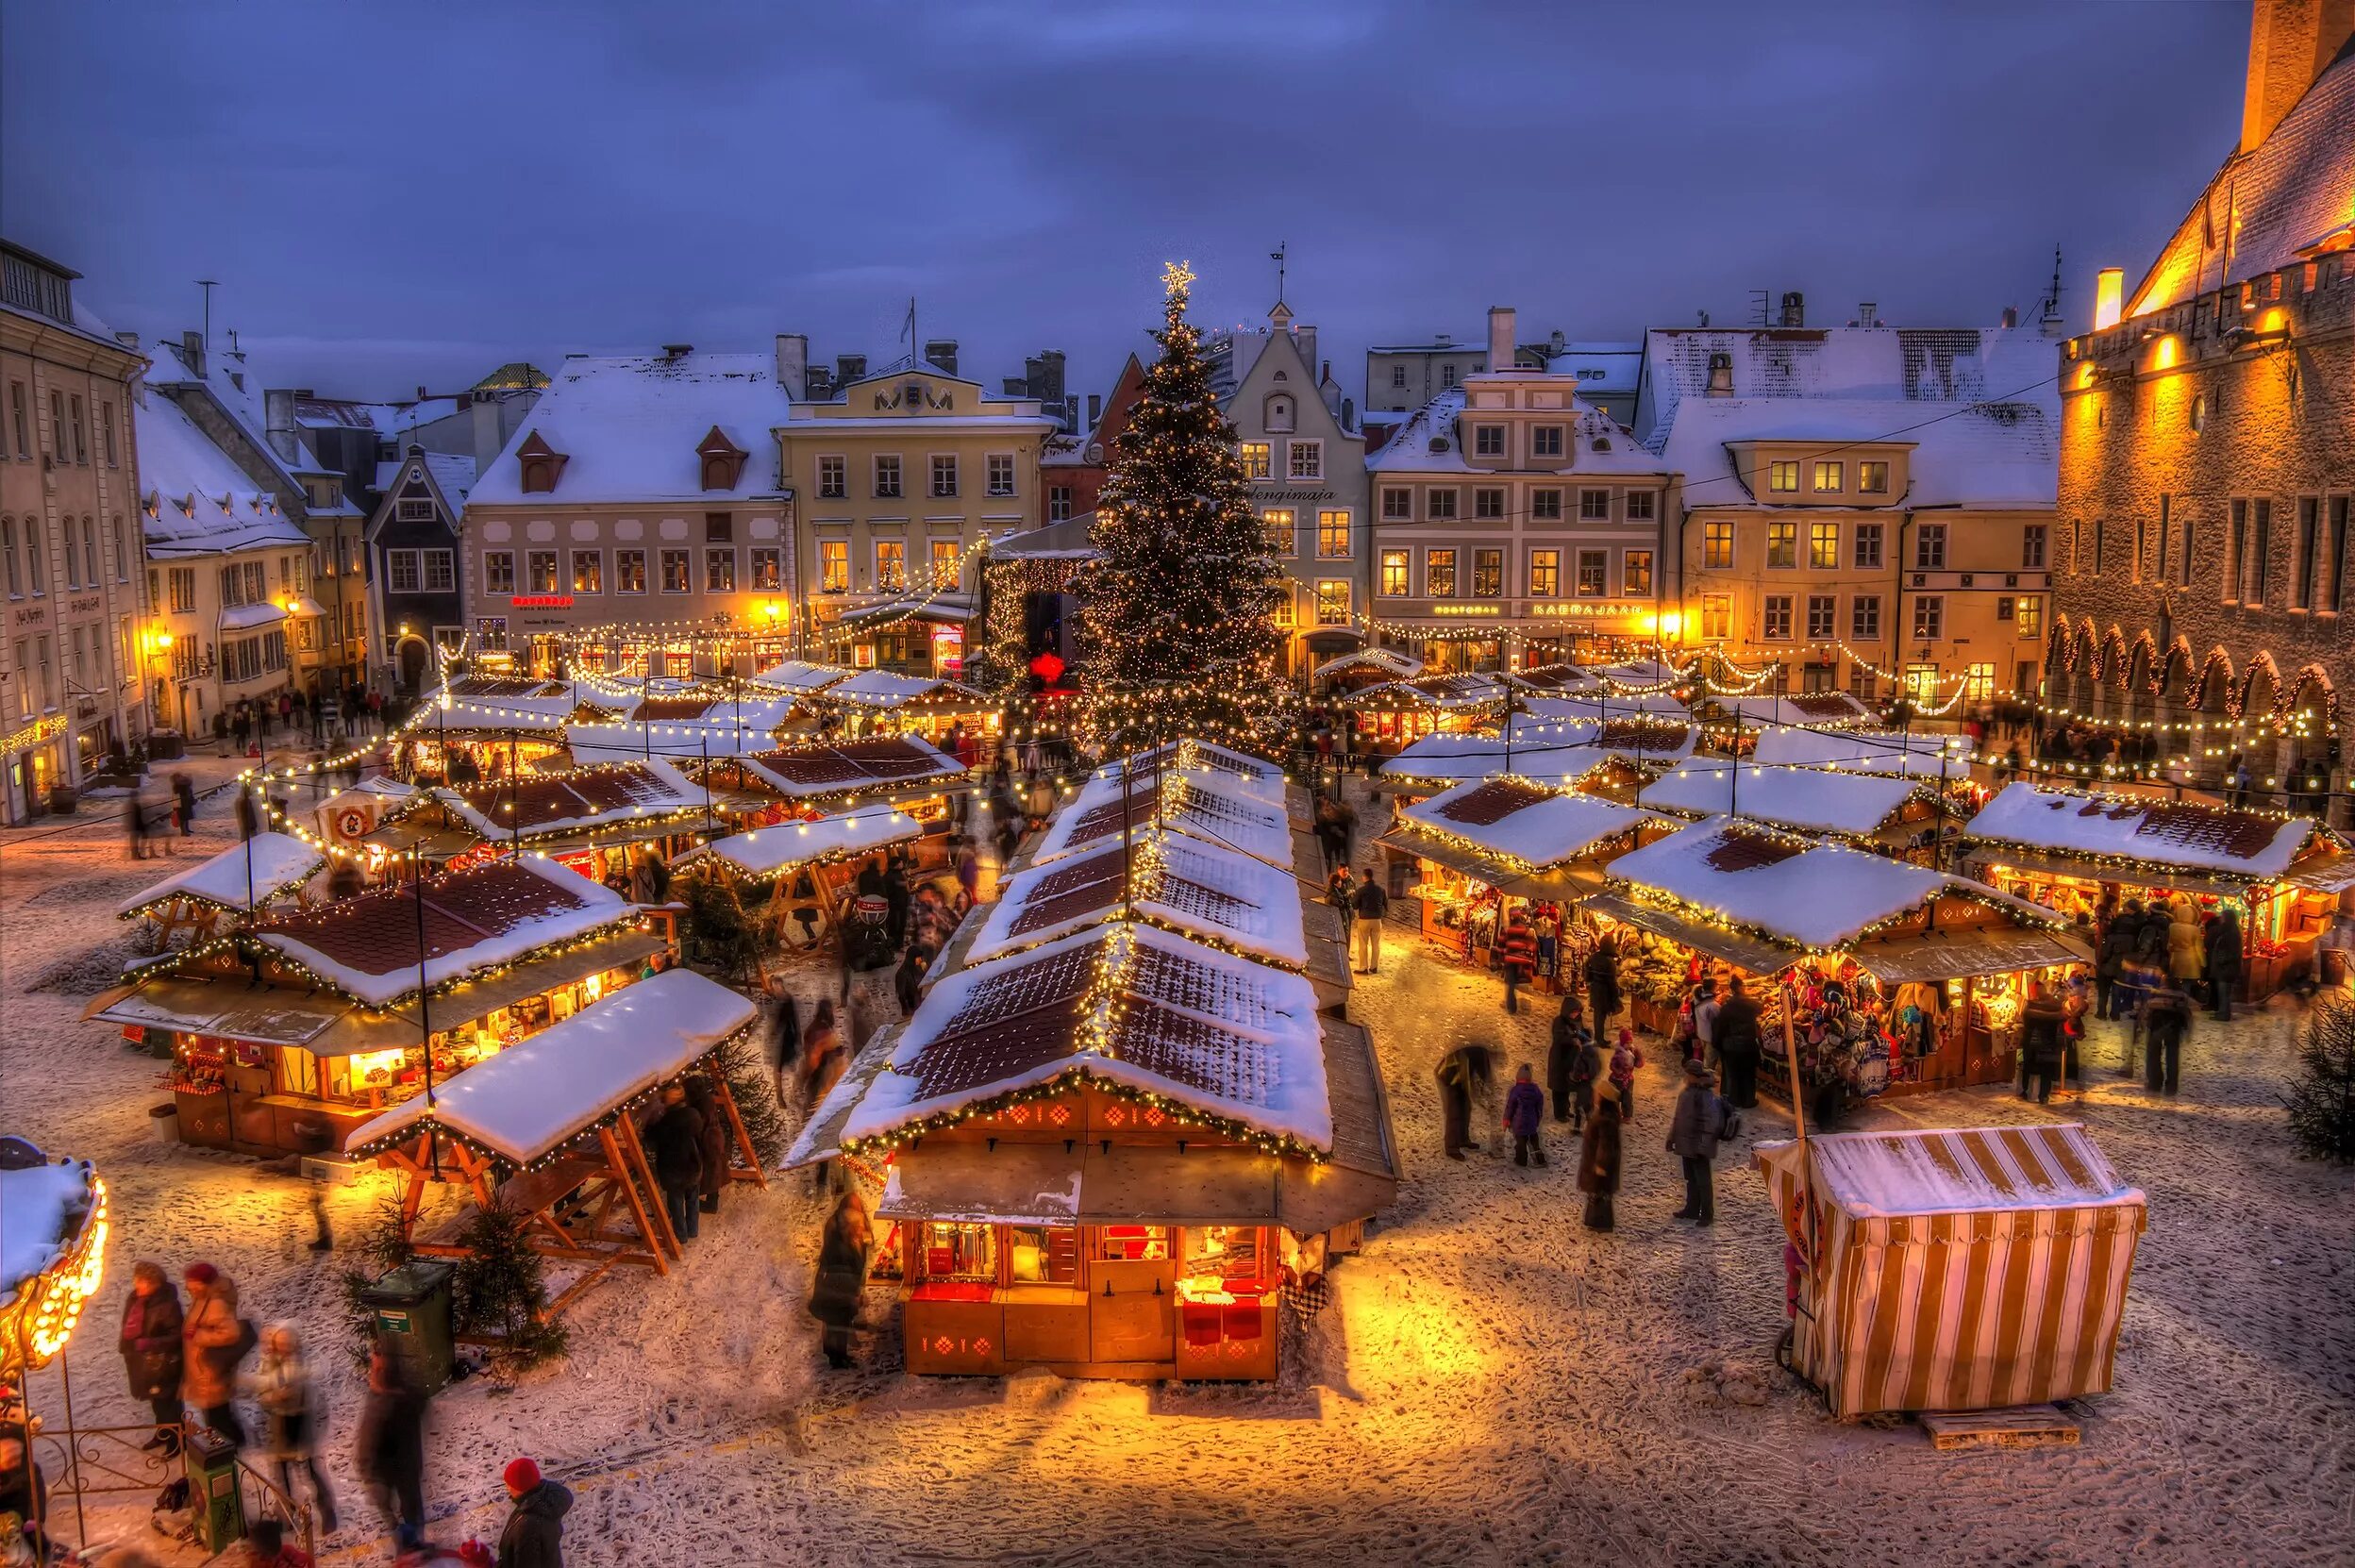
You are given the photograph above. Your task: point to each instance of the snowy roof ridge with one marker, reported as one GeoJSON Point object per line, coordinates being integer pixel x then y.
{"type": "Point", "coordinates": [630, 426]}
{"type": "Point", "coordinates": [1521, 820]}
{"type": "Point", "coordinates": [1198, 889]}
{"type": "Point", "coordinates": [2180, 835]}
{"type": "Point", "coordinates": [195, 498]}
{"type": "Point", "coordinates": [1819, 800]}
{"type": "Point", "coordinates": [762, 852]}
{"type": "Point", "coordinates": [277, 863]}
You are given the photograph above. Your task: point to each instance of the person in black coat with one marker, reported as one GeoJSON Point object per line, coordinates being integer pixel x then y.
{"type": "Point", "coordinates": [1561, 1059]}
{"type": "Point", "coordinates": [715, 1129]}
{"type": "Point", "coordinates": [1598, 1164]}
{"type": "Point", "coordinates": [675, 1141]}
{"type": "Point", "coordinates": [534, 1536]}
{"type": "Point", "coordinates": [1602, 981]}
{"type": "Point", "coordinates": [390, 1451]}
{"type": "Point", "coordinates": [1460, 1072]}
{"type": "Point", "coordinates": [2044, 1043]}
{"type": "Point", "coordinates": [907, 980]}
{"type": "Point", "coordinates": [1736, 1037]}
{"type": "Point", "coordinates": [841, 1276]}
{"type": "Point", "coordinates": [2224, 959]}
{"type": "Point", "coordinates": [150, 1344]}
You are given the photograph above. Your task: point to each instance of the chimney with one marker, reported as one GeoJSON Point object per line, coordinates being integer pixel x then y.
{"type": "Point", "coordinates": [128, 339]}
{"type": "Point", "coordinates": [941, 353]}
{"type": "Point", "coordinates": [193, 350]}
{"type": "Point", "coordinates": [1555, 343]}
{"type": "Point", "coordinates": [1071, 411]}
{"type": "Point", "coordinates": [1794, 308]}
{"type": "Point", "coordinates": [278, 414]}
{"type": "Point", "coordinates": [421, 394]}
{"type": "Point", "coordinates": [1500, 338]}
{"type": "Point", "coordinates": [2290, 41]}
{"type": "Point", "coordinates": [1305, 337]}
{"type": "Point", "coordinates": [849, 368]}
{"type": "Point", "coordinates": [677, 351]}
{"type": "Point", "coordinates": [1721, 375]}
{"type": "Point", "coordinates": [820, 383]}
{"type": "Point", "coordinates": [1096, 410]}
{"type": "Point", "coordinates": [792, 364]}
{"type": "Point", "coordinates": [1013, 386]}
{"type": "Point", "coordinates": [2011, 317]}
{"type": "Point", "coordinates": [1868, 313]}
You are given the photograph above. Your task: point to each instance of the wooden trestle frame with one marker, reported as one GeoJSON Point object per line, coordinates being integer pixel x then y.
{"type": "Point", "coordinates": [576, 1204]}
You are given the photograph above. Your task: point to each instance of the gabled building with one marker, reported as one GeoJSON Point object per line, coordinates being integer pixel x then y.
{"type": "Point", "coordinates": [2207, 479]}
{"type": "Point", "coordinates": [1300, 446]}
{"type": "Point", "coordinates": [1865, 507]}
{"type": "Point", "coordinates": [1511, 520]}
{"type": "Point", "coordinates": [1072, 467]}
{"type": "Point", "coordinates": [70, 683]}
{"type": "Point", "coordinates": [416, 559]}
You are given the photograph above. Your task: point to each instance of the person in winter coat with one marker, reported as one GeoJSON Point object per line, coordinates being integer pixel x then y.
{"type": "Point", "coordinates": [1735, 1032]}
{"type": "Point", "coordinates": [150, 1342]}
{"type": "Point", "coordinates": [2121, 938]}
{"type": "Point", "coordinates": [534, 1537]}
{"type": "Point", "coordinates": [389, 1449]}
{"type": "Point", "coordinates": [1599, 1163]}
{"type": "Point", "coordinates": [2187, 955]}
{"type": "Point", "coordinates": [1625, 1059]}
{"type": "Point", "coordinates": [1569, 1038]}
{"type": "Point", "coordinates": [2044, 1042]}
{"type": "Point", "coordinates": [1602, 983]}
{"type": "Point", "coordinates": [676, 1141]}
{"type": "Point", "coordinates": [1369, 903]}
{"type": "Point", "coordinates": [715, 1148]}
{"type": "Point", "coordinates": [184, 792]}
{"type": "Point", "coordinates": [282, 1384]}
{"type": "Point", "coordinates": [1692, 1137]}
{"type": "Point", "coordinates": [907, 980]}
{"type": "Point", "coordinates": [1525, 1109]}
{"type": "Point", "coordinates": [2166, 1025]}
{"type": "Point", "coordinates": [1459, 1073]}
{"type": "Point", "coordinates": [785, 1024]}
{"type": "Point", "coordinates": [1516, 956]}
{"type": "Point", "coordinates": [842, 1275]}
{"type": "Point", "coordinates": [2224, 961]}
{"type": "Point", "coordinates": [213, 1337]}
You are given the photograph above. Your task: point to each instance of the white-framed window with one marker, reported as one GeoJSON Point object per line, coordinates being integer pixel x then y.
{"type": "Point", "coordinates": [1593, 506]}
{"type": "Point", "coordinates": [891, 563]}
{"type": "Point", "coordinates": [2034, 541]}
{"type": "Point", "coordinates": [833, 565]}
{"type": "Point", "coordinates": [1439, 506]}
{"type": "Point", "coordinates": [491, 633]}
{"type": "Point", "coordinates": [630, 570]}
{"type": "Point", "coordinates": [1830, 478]}
{"type": "Point", "coordinates": [1717, 544]}
{"type": "Point", "coordinates": [1488, 501]}
{"type": "Point", "coordinates": [1783, 546]}
{"type": "Point", "coordinates": [1332, 534]}
{"type": "Point", "coordinates": [498, 570]}
{"type": "Point", "coordinates": [1059, 503]}
{"type": "Point", "coordinates": [1392, 583]}
{"type": "Point", "coordinates": [1488, 441]}
{"type": "Point", "coordinates": [1439, 574]}
{"type": "Point", "coordinates": [1397, 376]}
{"type": "Point", "coordinates": [1001, 473]}
{"type": "Point", "coordinates": [1545, 505]}
{"type": "Point", "coordinates": [1929, 547]}
{"type": "Point", "coordinates": [767, 569]}
{"type": "Point", "coordinates": [887, 486]}
{"type": "Point", "coordinates": [401, 573]}
{"type": "Point", "coordinates": [1545, 441]}
{"type": "Point", "coordinates": [587, 571]}
{"type": "Point", "coordinates": [1447, 376]}
{"type": "Point", "coordinates": [1864, 617]}
{"type": "Point", "coordinates": [1545, 574]}
{"type": "Point", "coordinates": [833, 476]}
{"type": "Point", "coordinates": [676, 570]}
{"type": "Point", "coordinates": [1397, 503]}
{"type": "Point", "coordinates": [1868, 551]}
{"type": "Point", "coordinates": [944, 475]}
{"type": "Point", "coordinates": [1775, 618]}
{"type": "Point", "coordinates": [541, 571]}
{"type": "Point", "coordinates": [1823, 611]}
{"type": "Point", "coordinates": [1257, 455]}
{"type": "Point", "coordinates": [1872, 477]}
{"type": "Point", "coordinates": [1332, 601]}
{"type": "Point", "coordinates": [441, 571]}
{"type": "Point", "coordinates": [413, 511]}
{"type": "Point", "coordinates": [1594, 574]}
{"type": "Point", "coordinates": [1717, 616]}
{"type": "Point", "coordinates": [1782, 477]}
{"type": "Point", "coordinates": [1304, 459]}
{"type": "Point", "coordinates": [1641, 505]}
{"type": "Point", "coordinates": [1635, 572]}
{"type": "Point", "coordinates": [1823, 546]}
{"type": "Point", "coordinates": [1488, 574]}
{"type": "Point", "coordinates": [1277, 525]}
{"type": "Point", "coordinates": [1929, 617]}
{"type": "Point", "coordinates": [946, 559]}
{"type": "Point", "coordinates": [2028, 618]}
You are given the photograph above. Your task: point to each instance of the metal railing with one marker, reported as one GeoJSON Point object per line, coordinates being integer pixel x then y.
{"type": "Point", "coordinates": [91, 1461]}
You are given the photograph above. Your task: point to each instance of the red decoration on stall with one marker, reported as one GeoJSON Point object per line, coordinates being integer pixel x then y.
{"type": "Point", "coordinates": [1048, 666]}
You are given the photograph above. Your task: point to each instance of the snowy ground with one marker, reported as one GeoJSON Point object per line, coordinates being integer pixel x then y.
{"type": "Point", "coordinates": [1495, 1385]}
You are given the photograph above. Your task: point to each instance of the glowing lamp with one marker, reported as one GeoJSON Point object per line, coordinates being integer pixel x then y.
{"type": "Point", "coordinates": [39, 1319]}
{"type": "Point", "coordinates": [2108, 297]}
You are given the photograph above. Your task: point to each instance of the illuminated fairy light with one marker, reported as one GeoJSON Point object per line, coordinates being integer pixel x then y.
{"type": "Point", "coordinates": [41, 1320]}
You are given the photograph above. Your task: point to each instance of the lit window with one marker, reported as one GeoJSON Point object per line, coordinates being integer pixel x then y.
{"type": "Point", "coordinates": [1332, 601]}
{"type": "Point", "coordinates": [946, 558]}
{"type": "Point", "coordinates": [1439, 574]}
{"type": "Point", "coordinates": [587, 571]}
{"type": "Point", "coordinates": [719, 571]}
{"type": "Point", "coordinates": [1717, 616]}
{"type": "Point", "coordinates": [630, 570]}
{"type": "Point", "coordinates": [1782, 477]}
{"type": "Point", "coordinates": [1394, 573]}
{"type": "Point", "coordinates": [2029, 616]}
{"type": "Point", "coordinates": [1831, 479]}
{"type": "Point", "coordinates": [1823, 546]}
{"type": "Point", "coordinates": [891, 563]}
{"type": "Point", "coordinates": [1255, 459]}
{"type": "Point", "coordinates": [675, 570]}
{"type": "Point", "coordinates": [543, 573]}
{"type": "Point", "coordinates": [1488, 574]}
{"type": "Point", "coordinates": [1276, 526]}
{"type": "Point", "coordinates": [1635, 571]}
{"type": "Point", "coordinates": [833, 564]}
{"type": "Point", "coordinates": [1717, 544]}
{"type": "Point", "coordinates": [1872, 478]}
{"type": "Point", "coordinates": [1545, 574]}
{"type": "Point", "coordinates": [1332, 535]}
{"type": "Point", "coordinates": [768, 569]}
{"type": "Point", "coordinates": [1593, 581]}
{"type": "Point", "coordinates": [1782, 545]}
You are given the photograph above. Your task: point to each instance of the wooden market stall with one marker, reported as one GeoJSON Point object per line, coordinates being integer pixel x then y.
{"type": "Point", "coordinates": [817, 777]}
{"type": "Point", "coordinates": [1886, 810]}
{"type": "Point", "coordinates": [587, 819]}
{"type": "Point", "coordinates": [480, 722]}
{"type": "Point", "coordinates": [806, 868]}
{"type": "Point", "coordinates": [1199, 797]}
{"type": "Point", "coordinates": [2063, 848]}
{"type": "Point", "coordinates": [234, 885]}
{"type": "Point", "coordinates": [1962, 1270]}
{"type": "Point", "coordinates": [1890, 977]}
{"type": "Point", "coordinates": [1103, 1154]}
{"type": "Point", "coordinates": [1396, 712]}
{"type": "Point", "coordinates": [1612, 756]}
{"type": "Point", "coordinates": [287, 1035]}
{"type": "Point", "coordinates": [878, 702]}
{"type": "Point", "coordinates": [1482, 848]}
{"type": "Point", "coordinates": [1361, 668]}
{"type": "Point", "coordinates": [689, 727]}
{"type": "Point", "coordinates": [551, 1127]}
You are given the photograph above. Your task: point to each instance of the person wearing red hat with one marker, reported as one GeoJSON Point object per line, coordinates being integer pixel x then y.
{"type": "Point", "coordinates": [534, 1537]}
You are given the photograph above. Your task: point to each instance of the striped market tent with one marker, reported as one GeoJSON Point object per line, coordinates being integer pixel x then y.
{"type": "Point", "coordinates": [1960, 1270]}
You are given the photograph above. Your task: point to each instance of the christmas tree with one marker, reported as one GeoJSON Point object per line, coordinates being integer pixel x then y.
{"type": "Point", "coordinates": [2322, 1098]}
{"type": "Point", "coordinates": [1176, 614]}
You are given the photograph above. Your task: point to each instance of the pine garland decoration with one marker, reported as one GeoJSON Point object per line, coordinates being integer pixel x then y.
{"type": "Point", "coordinates": [2322, 1096]}
{"type": "Point", "coordinates": [1177, 616]}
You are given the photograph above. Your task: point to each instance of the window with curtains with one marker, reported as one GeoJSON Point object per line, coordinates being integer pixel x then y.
{"type": "Point", "coordinates": [1545, 574]}
{"type": "Point", "coordinates": [1394, 577]}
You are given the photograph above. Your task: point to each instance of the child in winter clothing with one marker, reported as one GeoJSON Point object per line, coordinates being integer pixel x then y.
{"type": "Point", "coordinates": [1524, 1107]}
{"type": "Point", "coordinates": [1624, 1061]}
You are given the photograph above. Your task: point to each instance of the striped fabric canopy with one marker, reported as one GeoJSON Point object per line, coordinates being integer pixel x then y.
{"type": "Point", "coordinates": [1957, 1270]}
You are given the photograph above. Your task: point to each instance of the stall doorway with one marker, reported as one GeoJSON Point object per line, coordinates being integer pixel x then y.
{"type": "Point", "coordinates": [1132, 1288]}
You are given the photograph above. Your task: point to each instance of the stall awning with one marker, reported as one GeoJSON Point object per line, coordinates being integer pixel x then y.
{"type": "Point", "coordinates": [1010, 1184]}
{"type": "Point", "coordinates": [1566, 882]}
{"type": "Point", "coordinates": [1985, 950]}
{"type": "Point", "coordinates": [2325, 873]}
{"type": "Point", "coordinates": [363, 1030]}
{"type": "Point", "coordinates": [2037, 861]}
{"type": "Point", "coordinates": [232, 1010]}
{"type": "Point", "coordinates": [1042, 1184]}
{"type": "Point", "coordinates": [1743, 952]}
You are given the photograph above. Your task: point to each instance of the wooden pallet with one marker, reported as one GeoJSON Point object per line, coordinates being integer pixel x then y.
{"type": "Point", "coordinates": [2018, 1426]}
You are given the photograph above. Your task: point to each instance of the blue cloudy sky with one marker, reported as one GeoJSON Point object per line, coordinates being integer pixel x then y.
{"type": "Point", "coordinates": [395, 194]}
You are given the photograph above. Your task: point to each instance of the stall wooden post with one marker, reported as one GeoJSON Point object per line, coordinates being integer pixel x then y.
{"type": "Point", "coordinates": [646, 1226]}
{"type": "Point", "coordinates": [727, 1098]}
{"type": "Point", "coordinates": [1791, 1058]}
{"type": "Point", "coordinates": [663, 1234]}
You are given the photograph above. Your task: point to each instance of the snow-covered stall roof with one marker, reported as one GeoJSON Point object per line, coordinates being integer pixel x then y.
{"type": "Point", "coordinates": [1654, 738]}
{"type": "Point", "coordinates": [1523, 822]}
{"type": "Point", "coordinates": [1599, 703]}
{"type": "Point", "coordinates": [1203, 803]}
{"type": "Point", "coordinates": [2254, 847]}
{"type": "Point", "coordinates": [1554, 749]}
{"type": "Point", "coordinates": [42, 1209]}
{"type": "Point", "coordinates": [766, 852]}
{"type": "Point", "coordinates": [1920, 755]}
{"type": "Point", "coordinates": [684, 728]}
{"type": "Point", "coordinates": [545, 806]}
{"type": "Point", "coordinates": [281, 862]}
{"type": "Point", "coordinates": [485, 916]}
{"type": "Point", "coordinates": [1562, 678]}
{"type": "Point", "coordinates": [1822, 709]}
{"type": "Point", "coordinates": [884, 764]}
{"type": "Point", "coordinates": [1790, 888]}
{"type": "Point", "coordinates": [1233, 770]}
{"type": "Point", "coordinates": [799, 677]}
{"type": "Point", "coordinates": [1461, 692]}
{"type": "Point", "coordinates": [1883, 1174]}
{"type": "Point", "coordinates": [1813, 800]}
{"type": "Point", "coordinates": [1214, 893]}
{"type": "Point", "coordinates": [531, 1099]}
{"type": "Point", "coordinates": [1387, 661]}
{"type": "Point", "coordinates": [526, 704]}
{"type": "Point", "coordinates": [881, 691]}
{"type": "Point", "coordinates": [1123, 1005]}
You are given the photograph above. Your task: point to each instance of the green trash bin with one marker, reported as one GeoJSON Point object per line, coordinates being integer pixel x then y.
{"type": "Point", "coordinates": [411, 1305]}
{"type": "Point", "coordinates": [213, 1492]}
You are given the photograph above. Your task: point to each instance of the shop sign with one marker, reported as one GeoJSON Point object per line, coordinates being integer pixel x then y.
{"type": "Point", "coordinates": [29, 615]}
{"type": "Point", "coordinates": [85, 606]}
{"type": "Point", "coordinates": [540, 601]}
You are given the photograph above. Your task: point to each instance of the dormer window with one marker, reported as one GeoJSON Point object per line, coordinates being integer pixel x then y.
{"type": "Point", "coordinates": [1280, 415]}
{"type": "Point", "coordinates": [541, 464]}
{"type": "Point", "coordinates": [723, 460]}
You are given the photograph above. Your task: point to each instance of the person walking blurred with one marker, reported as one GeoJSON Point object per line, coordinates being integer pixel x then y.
{"type": "Point", "coordinates": [282, 1385]}
{"type": "Point", "coordinates": [841, 1281]}
{"type": "Point", "coordinates": [1599, 1163]}
{"type": "Point", "coordinates": [214, 1341]}
{"type": "Point", "coordinates": [152, 1351]}
{"type": "Point", "coordinates": [390, 1449]}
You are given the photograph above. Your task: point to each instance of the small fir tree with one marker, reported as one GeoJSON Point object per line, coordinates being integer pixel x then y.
{"type": "Point", "coordinates": [753, 1086]}
{"type": "Point", "coordinates": [720, 932]}
{"type": "Point", "coordinates": [1177, 615]}
{"type": "Point", "coordinates": [500, 1291]}
{"type": "Point", "coordinates": [2322, 1096]}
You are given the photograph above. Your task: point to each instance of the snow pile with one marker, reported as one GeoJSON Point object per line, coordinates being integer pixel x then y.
{"type": "Point", "coordinates": [764, 852]}
{"type": "Point", "coordinates": [41, 1213]}
{"type": "Point", "coordinates": [1811, 799]}
{"type": "Point", "coordinates": [2250, 845]}
{"type": "Point", "coordinates": [279, 862]}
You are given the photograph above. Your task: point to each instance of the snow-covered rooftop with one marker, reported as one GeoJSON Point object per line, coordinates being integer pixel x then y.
{"type": "Point", "coordinates": [268, 864]}
{"type": "Point", "coordinates": [765, 852]}
{"type": "Point", "coordinates": [2183, 834]}
{"type": "Point", "coordinates": [1205, 891]}
{"type": "Point", "coordinates": [1524, 821]}
{"type": "Point", "coordinates": [799, 677]}
{"type": "Point", "coordinates": [883, 690]}
{"type": "Point", "coordinates": [1460, 691]}
{"type": "Point", "coordinates": [238, 390]}
{"type": "Point", "coordinates": [2004, 454]}
{"type": "Point", "coordinates": [1429, 442]}
{"type": "Point", "coordinates": [1235, 771]}
{"type": "Point", "coordinates": [1921, 754]}
{"type": "Point", "coordinates": [196, 498]}
{"type": "Point", "coordinates": [542, 806]}
{"type": "Point", "coordinates": [1198, 801]}
{"type": "Point", "coordinates": [685, 729]}
{"type": "Point", "coordinates": [888, 764]}
{"type": "Point", "coordinates": [1127, 1005]}
{"type": "Point", "coordinates": [1813, 800]}
{"type": "Point", "coordinates": [1882, 1174]}
{"type": "Point", "coordinates": [528, 1100]}
{"type": "Point", "coordinates": [1834, 709]}
{"type": "Point", "coordinates": [453, 474]}
{"type": "Point", "coordinates": [629, 427]}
